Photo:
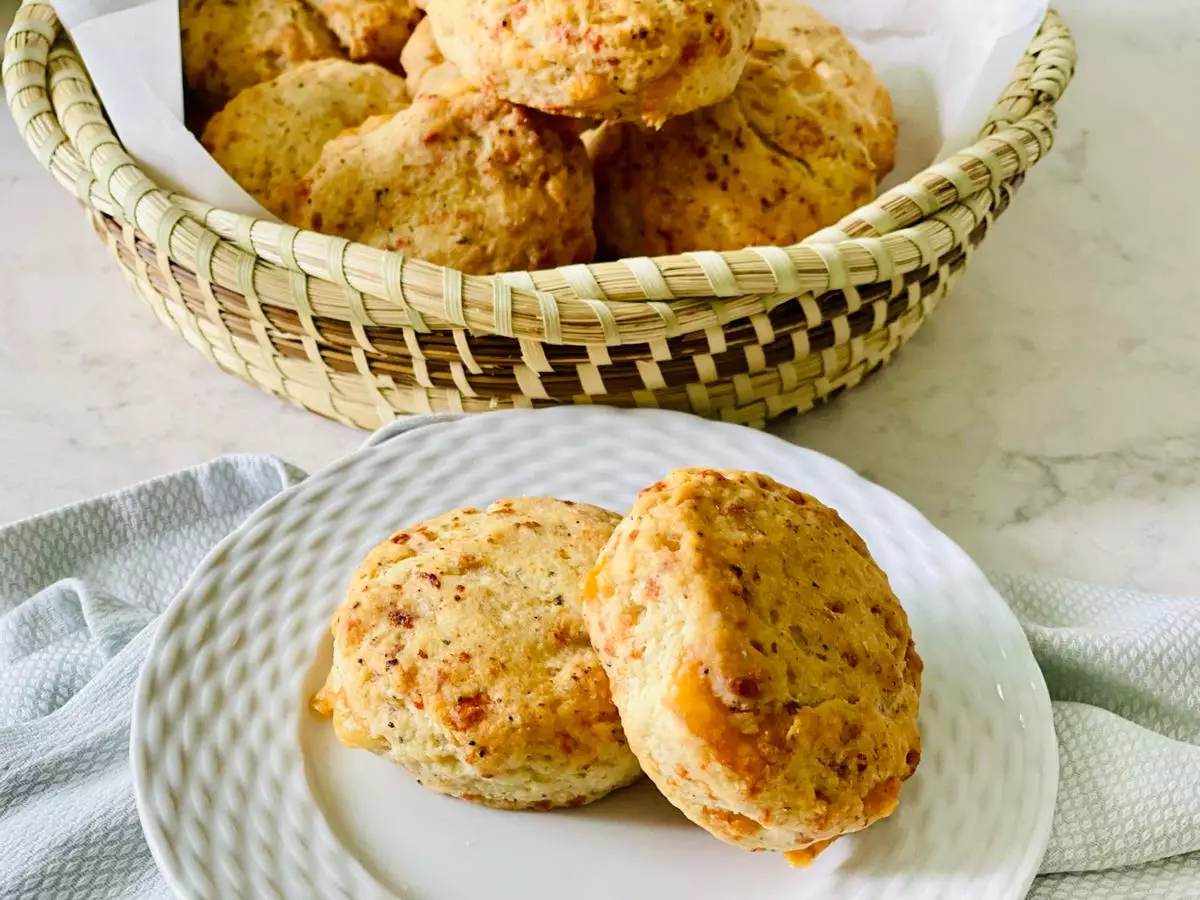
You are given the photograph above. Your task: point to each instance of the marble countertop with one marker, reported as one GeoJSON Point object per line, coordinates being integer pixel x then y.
{"type": "Point", "coordinates": [1045, 418]}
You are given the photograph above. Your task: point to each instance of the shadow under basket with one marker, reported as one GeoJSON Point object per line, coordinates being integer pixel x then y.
{"type": "Point", "coordinates": [363, 335]}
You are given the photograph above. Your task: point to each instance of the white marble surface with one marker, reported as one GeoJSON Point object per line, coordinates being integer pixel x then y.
{"type": "Point", "coordinates": [1046, 417]}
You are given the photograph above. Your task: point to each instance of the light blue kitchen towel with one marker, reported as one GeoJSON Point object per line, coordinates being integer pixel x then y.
{"type": "Point", "coordinates": [81, 588]}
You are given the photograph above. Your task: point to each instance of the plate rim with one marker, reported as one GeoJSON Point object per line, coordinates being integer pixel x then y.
{"type": "Point", "coordinates": [153, 828]}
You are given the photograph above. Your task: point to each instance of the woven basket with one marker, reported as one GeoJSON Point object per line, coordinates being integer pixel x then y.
{"type": "Point", "coordinates": [363, 335]}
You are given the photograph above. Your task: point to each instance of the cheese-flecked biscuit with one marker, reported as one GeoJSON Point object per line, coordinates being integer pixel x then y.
{"type": "Point", "coordinates": [371, 30]}
{"type": "Point", "coordinates": [460, 653]}
{"type": "Point", "coordinates": [229, 45]}
{"type": "Point", "coordinates": [637, 60]}
{"type": "Point", "coordinates": [822, 45]}
{"type": "Point", "coordinates": [271, 134]}
{"type": "Point", "coordinates": [764, 670]}
{"type": "Point", "coordinates": [774, 163]}
{"type": "Point", "coordinates": [461, 178]}
{"type": "Point", "coordinates": [426, 69]}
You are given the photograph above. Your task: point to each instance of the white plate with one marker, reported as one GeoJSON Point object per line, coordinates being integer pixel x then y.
{"type": "Point", "coordinates": [243, 793]}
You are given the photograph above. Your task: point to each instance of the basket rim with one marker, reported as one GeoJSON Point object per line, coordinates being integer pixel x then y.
{"type": "Point", "coordinates": [634, 300]}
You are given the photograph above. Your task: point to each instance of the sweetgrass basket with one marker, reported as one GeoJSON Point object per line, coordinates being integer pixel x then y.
{"type": "Point", "coordinates": [362, 335]}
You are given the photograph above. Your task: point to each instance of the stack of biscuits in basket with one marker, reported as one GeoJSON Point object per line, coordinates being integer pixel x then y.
{"type": "Point", "coordinates": [730, 637]}
{"type": "Point", "coordinates": [527, 134]}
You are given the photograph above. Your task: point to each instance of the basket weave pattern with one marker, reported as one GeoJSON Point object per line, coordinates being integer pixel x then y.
{"type": "Point", "coordinates": [363, 335]}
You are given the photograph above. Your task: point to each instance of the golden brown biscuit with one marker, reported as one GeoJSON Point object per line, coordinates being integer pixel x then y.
{"type": "Point", "coordinates": [371, 30]}
{"type": "Point", "coordinates": [271, 134]}
{"type": "Point", "coordinates": [460, 178]}
{"type": "Point", "coordinates": [424, 65]}
{"type": "Point", "coordinates": [822, 45]}
{"type": "Point", "coordinates": [774, 163]}
{"type": "Point", "coordinates": [426, 69]}
{"type": "Point", "coordinates": [764, 670]}
{"type": "Point", "coordinates": [229, 45]}
{"type": "Point", "coordinates": [643, 60]}
{"type": "Point", "coordinates": [460, 653]}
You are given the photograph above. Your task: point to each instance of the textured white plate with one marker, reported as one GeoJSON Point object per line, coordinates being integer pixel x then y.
{"type": "Point", "coordinates": [243, 793]}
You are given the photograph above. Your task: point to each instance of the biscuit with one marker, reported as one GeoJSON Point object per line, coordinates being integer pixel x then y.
{"type": "Point", "coordinates": [229, 45]}
{"type": "Point", "coordinates": [774, 163]}
{"type": "Point", "coordinates": [822, 45]}
{"type": "Point", "coordinates": [460, 653]}
{"type": "Point", "coordinates": [425, 69]}
{"type": "Point", "coordinates": [423, 63]}
{"type": "Point", "coordinates": [638, 60]}
{"type": "Point", "coordinates": [370, 30]}
{"type": "Point", "coordinates": [461, 178]}
{"type": "Point", "coordinates": [271, 134]}
{"type": "Point", "coordinates": [764, 670]}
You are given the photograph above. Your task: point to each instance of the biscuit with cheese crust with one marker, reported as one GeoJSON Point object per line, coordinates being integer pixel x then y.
{"type": "Point", "coordinates": [763, 668]}
{"type": "Point", "coordinates": [635, 60]}
{"type": "Point", "coordinates": [461, 654]}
